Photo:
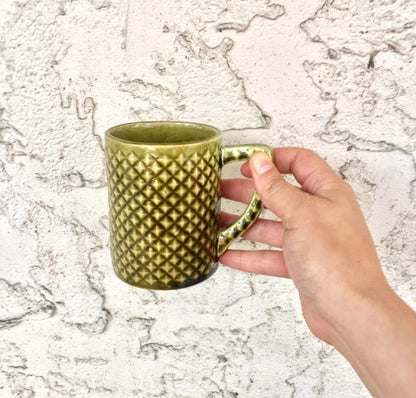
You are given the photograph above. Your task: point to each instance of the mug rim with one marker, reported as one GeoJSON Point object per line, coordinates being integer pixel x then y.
{"type": "Point", "coordinates": [164, 122]}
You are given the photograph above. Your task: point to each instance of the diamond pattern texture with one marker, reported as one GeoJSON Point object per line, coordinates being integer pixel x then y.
{"type": "Point", "coordinates": [164, 213]}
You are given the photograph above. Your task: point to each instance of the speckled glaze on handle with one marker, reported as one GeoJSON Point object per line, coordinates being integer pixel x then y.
{"type": "Point", "coordinates": [228, 234]}
{"type": "Point", "coordinates": [164, 197]}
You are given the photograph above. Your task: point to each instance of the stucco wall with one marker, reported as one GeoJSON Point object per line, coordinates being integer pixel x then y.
{"type": "Point", "coordinates": [286, 73]}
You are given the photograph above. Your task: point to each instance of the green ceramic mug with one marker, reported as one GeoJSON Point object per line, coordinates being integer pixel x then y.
{"type": "Point", "coordinates": [164, 196]}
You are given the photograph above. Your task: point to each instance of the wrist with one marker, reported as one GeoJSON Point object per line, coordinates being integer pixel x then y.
{"type": "Point", "coordinates": [351, 297]}
{"type": "Point", "coordinates": [356, 307]}
{"type": "Point", "coordinates": [376, 332]}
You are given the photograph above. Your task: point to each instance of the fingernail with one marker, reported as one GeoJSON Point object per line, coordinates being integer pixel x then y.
{"type": "Point", "coordinates": [261, 163]}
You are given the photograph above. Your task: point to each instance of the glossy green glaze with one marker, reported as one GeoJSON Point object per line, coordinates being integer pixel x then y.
{"type": "Point", "coordinates": [227, 235]}
{"type": "Point", "coordinates": [164, 196]}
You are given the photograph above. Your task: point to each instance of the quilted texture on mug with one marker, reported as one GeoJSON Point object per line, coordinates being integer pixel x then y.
{"type": "Point", "coordinates": [164, 213]}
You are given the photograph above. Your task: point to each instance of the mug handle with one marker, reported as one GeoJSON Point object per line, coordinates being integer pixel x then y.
{"type": "Point", "coordinates": [227, 235]}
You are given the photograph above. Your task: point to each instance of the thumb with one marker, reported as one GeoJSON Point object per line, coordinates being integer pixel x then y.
{"type": "Point", "coordinates": [282, 198]}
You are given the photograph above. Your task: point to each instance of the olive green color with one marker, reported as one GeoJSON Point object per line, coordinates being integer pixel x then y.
{"type": "Point", "coordinates": [164, 196]}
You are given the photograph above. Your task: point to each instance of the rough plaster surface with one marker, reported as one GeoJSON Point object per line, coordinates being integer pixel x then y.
{"type": "Point", "coordinates": [287, 73]}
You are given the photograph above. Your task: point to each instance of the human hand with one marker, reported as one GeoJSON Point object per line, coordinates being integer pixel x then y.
{"type": "Point", "coordinates": [327, 249]}
{"type": "Point", "coordinates": [328, 252]}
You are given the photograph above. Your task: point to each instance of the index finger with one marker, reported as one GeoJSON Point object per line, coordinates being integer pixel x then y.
{"type": "Point", "coordinates": [309, 169]}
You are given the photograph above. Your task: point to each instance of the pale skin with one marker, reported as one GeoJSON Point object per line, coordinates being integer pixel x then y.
{"type": "Point", "coordinates": [328, 252]}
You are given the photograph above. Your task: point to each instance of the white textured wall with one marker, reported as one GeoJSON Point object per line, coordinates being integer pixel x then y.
{"type": "Point", "coordinates": [293, 73]}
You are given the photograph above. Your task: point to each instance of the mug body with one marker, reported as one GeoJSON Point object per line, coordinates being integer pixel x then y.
{"type": "Point", "coordinates": [164, 197]}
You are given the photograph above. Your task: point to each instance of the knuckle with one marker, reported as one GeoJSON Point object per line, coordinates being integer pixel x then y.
{"type": "Point", "coordinates": [309, 152]}
{"type": "Point", "coordinates": [348, 189]}
{"type": "Point", "coordinates": [271, 186]}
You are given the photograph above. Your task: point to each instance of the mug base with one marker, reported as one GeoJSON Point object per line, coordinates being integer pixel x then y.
{"type": "Point", "coordinates": [173, 285]}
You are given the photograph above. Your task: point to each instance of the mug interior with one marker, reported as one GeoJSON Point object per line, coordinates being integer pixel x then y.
{"type": "Point", "coordinates": [163, 132]}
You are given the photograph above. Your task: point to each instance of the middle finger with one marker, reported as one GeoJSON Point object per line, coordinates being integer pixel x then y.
{"type": "Point", "coordinates": [263, 231]}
